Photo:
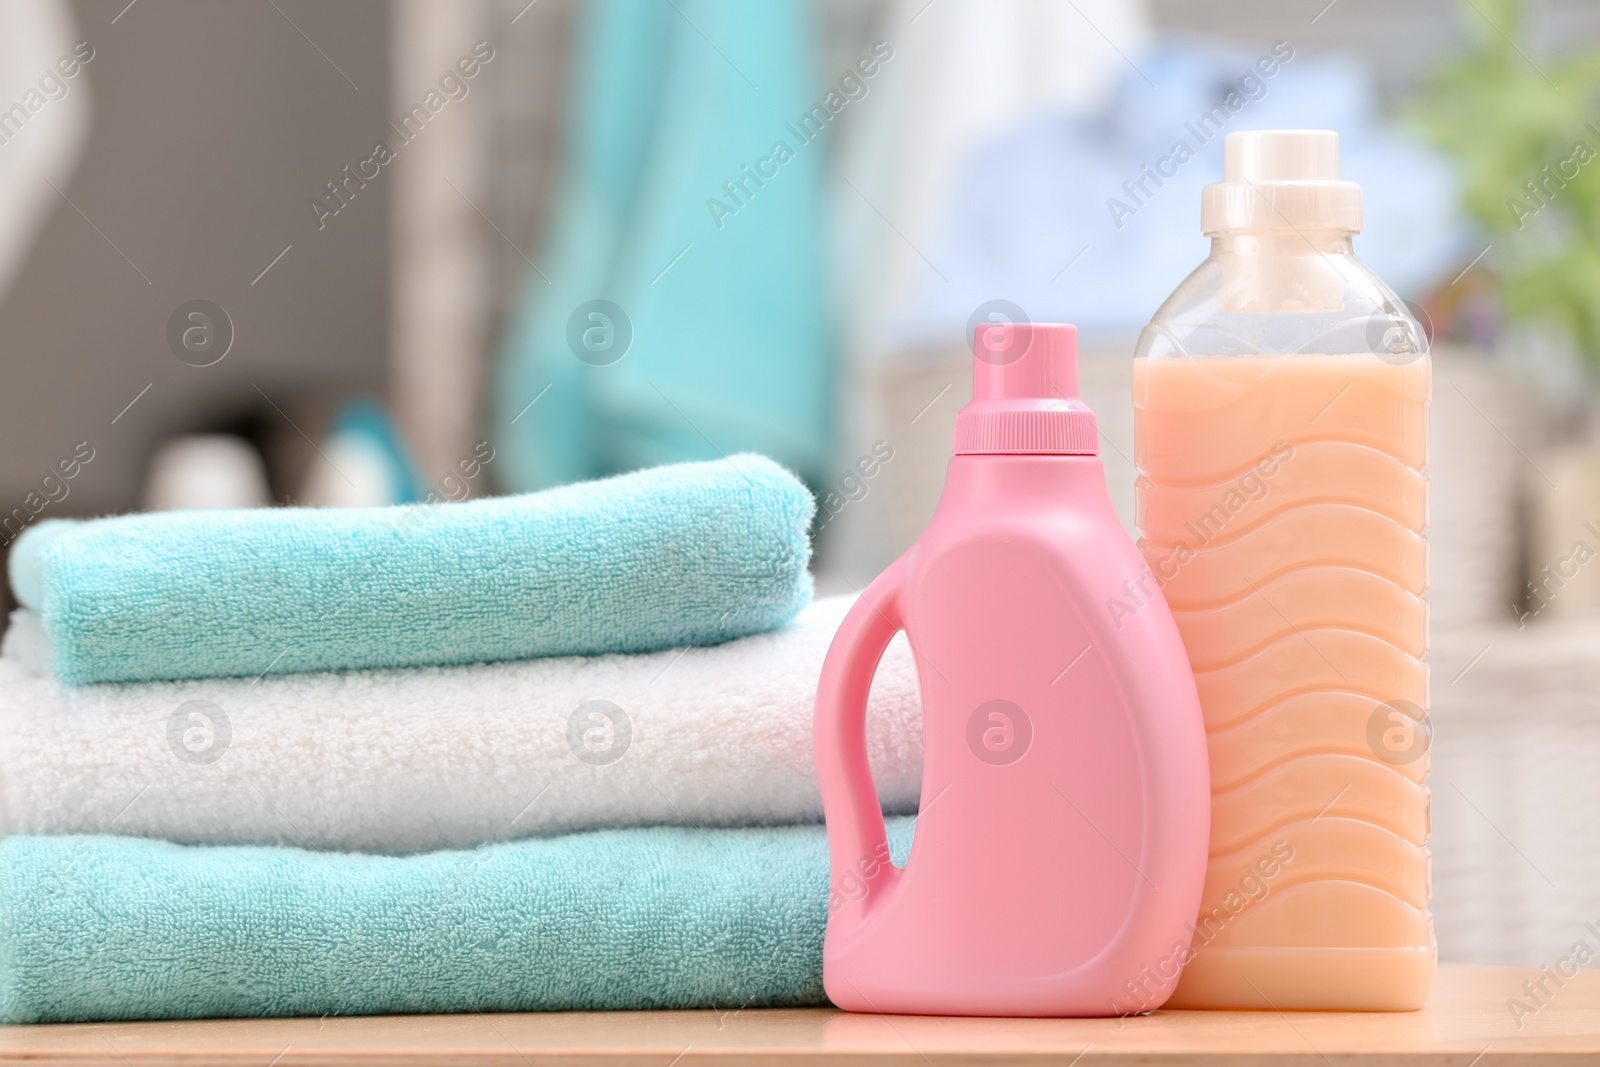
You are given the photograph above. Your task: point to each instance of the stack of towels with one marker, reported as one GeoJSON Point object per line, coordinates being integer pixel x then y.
{"type": "Point", "coordinates": [539, 752]}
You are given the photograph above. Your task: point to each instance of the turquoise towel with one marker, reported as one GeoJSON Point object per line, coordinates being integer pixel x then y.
{"type": "Point", "coordinates": [693, 554]}
{"type": "Point", "coordinates": [723, 292]}
{"type": "Point", "coordinates": [103, 928]}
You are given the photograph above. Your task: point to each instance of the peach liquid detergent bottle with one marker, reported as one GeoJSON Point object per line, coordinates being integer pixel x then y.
{"type": "Point", "coordinates": [1060, 849]}
{"type": "Point", "coordinates": [1280, 425]}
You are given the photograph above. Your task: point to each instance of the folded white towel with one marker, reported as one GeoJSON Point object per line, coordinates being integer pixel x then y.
{"type": "Point", "coordinates": [430, 758]}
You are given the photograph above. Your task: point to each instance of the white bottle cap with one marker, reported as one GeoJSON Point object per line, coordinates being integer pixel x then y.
{"type": "Point", "coordinates": [1281, 180]}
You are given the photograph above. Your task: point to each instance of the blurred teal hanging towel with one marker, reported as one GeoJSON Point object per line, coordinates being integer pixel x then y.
{"type": "Point", "coordinates": [680, 309]}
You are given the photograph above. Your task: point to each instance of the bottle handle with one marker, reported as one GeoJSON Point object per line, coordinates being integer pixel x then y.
{"type": "Point", "coordinates": [861, 873]}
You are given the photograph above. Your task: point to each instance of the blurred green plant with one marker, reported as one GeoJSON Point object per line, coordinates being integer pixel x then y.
{"type": "Point", "coordinates": [1525, 134]}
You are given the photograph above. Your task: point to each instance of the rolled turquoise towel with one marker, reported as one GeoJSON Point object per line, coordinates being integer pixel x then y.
{"type": "Point", "coordinates": [690, 554]}
{"type": "Point", "coordinates": [103, 928]}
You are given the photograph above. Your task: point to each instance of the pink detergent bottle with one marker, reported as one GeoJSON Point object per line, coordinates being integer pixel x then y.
{"type": "Point", "coordinates": [1060, 850]}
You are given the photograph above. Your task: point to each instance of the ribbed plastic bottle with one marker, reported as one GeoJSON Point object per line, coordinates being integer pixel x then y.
{"type": "Point", "coordinates": [1060, 847]}
{"type": "Point", "coordinates": [1281, 436]}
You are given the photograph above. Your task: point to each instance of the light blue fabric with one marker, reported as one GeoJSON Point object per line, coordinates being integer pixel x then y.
{"type": "Point", "coordinates": [730, 343]}
{"type": "Point", "coordinates": [102, 928]}
{"type": "Point", "coordinates": [1035, 198]}
{"type": "Point", "coordinates": [691, 554]}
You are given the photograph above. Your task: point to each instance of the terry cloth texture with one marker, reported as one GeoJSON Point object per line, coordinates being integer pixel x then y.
{"type": "Point", "coordinates": [692, 554]}
{"type": "Point", "coordinates": [428, 758]}
{"type": "Point", "coordinates": [103, 928]}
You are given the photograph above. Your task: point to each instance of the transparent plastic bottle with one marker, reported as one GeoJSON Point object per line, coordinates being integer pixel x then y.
{"type": "Point", "coordinates": [1281, 414]}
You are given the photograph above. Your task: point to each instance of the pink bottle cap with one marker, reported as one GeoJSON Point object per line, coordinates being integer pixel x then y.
{"type": "Point", "coordinates": [1025, 393]}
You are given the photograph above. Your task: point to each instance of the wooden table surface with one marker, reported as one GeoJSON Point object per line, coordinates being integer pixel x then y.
{"type": "Point", "coordinates": [1468, 1022]}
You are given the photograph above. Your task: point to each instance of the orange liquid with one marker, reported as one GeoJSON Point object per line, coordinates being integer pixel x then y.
{"type": "Point", "coordinates": [1282, 508]}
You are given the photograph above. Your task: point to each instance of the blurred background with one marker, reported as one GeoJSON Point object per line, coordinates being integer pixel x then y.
{"type": "Point", "coordinates": [283, 252]}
